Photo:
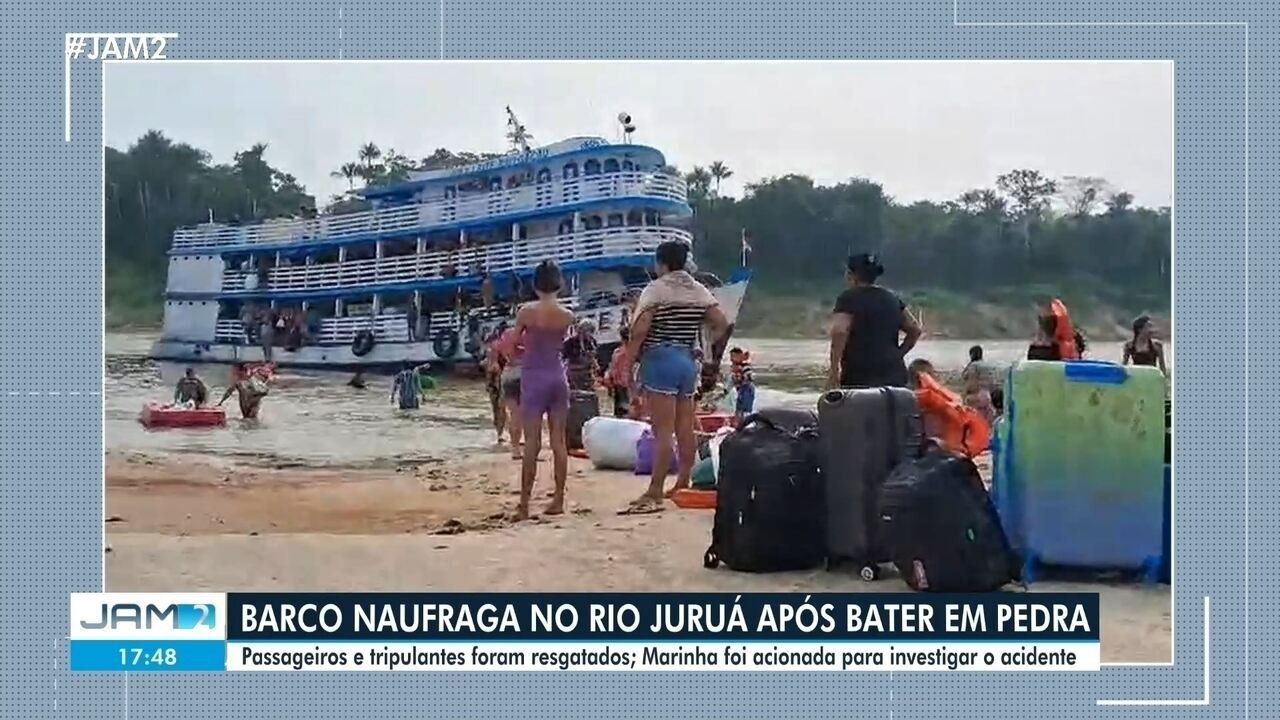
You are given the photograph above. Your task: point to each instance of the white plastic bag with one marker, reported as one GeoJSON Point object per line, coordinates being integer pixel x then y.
{"type": "Point", "coordinates": [611, 442]}
{"type": "Point", "coordinates": [714, 445]}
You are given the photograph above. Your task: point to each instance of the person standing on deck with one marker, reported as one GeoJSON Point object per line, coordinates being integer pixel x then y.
{"type": "Point", "coordinates": [668, 323]}
{"type": "Point", "coordinates": [267, 332]}
{"type": "Point", "coordinates": [866, 325]}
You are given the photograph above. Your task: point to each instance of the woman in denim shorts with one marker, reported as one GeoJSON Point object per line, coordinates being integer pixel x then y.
{"type": "Point", "coordinates": [667, 328]}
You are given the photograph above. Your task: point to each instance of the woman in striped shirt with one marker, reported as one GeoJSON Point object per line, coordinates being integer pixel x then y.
{"type": "Point", "coordinates": [667, 328]}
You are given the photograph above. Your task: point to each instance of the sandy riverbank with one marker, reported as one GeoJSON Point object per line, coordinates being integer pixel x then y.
{"type": "Point", "coordinates": [209, 524]}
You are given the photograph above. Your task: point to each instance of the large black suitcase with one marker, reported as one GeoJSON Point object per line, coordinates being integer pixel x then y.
{"type": "Point", "coordinates": [865, 434]}
{"type": "Point", "coordinates": [789, 418]}
{"type": "Point", "coordinates": [769, 507]}
{"type": "Point", "coordinates": [941, 528]}
{"type": "Point", "coordinates": [583, 406]}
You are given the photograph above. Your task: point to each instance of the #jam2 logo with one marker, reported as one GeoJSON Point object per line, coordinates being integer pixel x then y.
{"type": "Point", "coordinates": [178, 616]}
{"type": "Point", "coordinates": [148, 615]}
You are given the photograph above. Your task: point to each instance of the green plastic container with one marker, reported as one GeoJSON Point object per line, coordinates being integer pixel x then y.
{"type": "Point", "coordinates": [1080, 464]}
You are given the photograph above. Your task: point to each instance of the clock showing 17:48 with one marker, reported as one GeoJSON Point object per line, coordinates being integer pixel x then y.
{"type": "Point", "coordinates": [139, 657]}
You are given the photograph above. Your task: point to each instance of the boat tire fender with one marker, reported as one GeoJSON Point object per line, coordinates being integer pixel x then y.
{"type": "Point", "coordinates": [445, 346]}
{"type": "Point", "coordinates": [362, 343]}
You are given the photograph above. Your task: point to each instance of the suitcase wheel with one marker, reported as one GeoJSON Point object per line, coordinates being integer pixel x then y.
{"type": "Point", "coordinates": [870, 573]}
{"type": "Point", "coordinates": [710, 560]}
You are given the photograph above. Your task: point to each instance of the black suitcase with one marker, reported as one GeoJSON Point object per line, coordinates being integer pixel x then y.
{"type": "Point", "coordinates": [583, 406]}
{"type": "Point", "coordinates": [865, 434]}
{"type": "Point", "coordinates": [769, 505]}
{"type": "Point", "coordinates": [789, 418]}
{"type": "Point", "coordinates": [941, 528]}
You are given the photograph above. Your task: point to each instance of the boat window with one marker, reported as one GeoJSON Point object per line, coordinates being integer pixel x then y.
{"type": "Point", "coordinates": [591, 167]}
{"type": "Point", "coordinates": [544, 175]}
{"type": "Point", "coordinates": [594, 222]}
{"type": "Point", "coordinates": [635, 217]}
{"type": "Point", "coordinates": [611, 165]}
{"type": "Point", "coordinates": [566, 226]}
{"type": "Point", "coordinates": [513, 181]}
{"type": "Point", "coordinates": [450, 192]}
{"type": "Point", "coordinates": [615, 220]}
{"type": "Point", "coordinates": [495, 184]}
{"type": "Point", "coordinates": [570, 171]}
{"type": "Point", "coordinates": [651, 218]}
{"type": "Point", "coordinates": [628, 166]}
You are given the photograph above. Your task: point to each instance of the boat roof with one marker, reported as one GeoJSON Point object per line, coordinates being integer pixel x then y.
{"type": "Point", "coordinates": [561, 150]}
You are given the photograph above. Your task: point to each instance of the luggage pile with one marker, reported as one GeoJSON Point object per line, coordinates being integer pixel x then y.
{"type": "Point", "coordinates": [1080, 480]}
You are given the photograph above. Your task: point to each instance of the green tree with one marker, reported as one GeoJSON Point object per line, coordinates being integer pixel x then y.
{"type": "Point", "coordinates": [349, 172]}
{"type": "Point", "coordinates": [719, 171]}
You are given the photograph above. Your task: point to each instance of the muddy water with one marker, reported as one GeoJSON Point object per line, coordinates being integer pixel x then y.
{"type": "Point", "coordinates": [314, 418]}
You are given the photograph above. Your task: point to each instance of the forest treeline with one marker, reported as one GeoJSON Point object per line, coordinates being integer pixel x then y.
{"type": "Point", "coordinates": [1076, 236]}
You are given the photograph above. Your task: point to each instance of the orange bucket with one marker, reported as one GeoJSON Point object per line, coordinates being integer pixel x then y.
{"type": "Point", "coordinates": [693, 499]}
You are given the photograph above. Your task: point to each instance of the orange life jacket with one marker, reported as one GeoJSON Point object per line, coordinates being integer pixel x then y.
{"type": "Point", "coordinates": [964, 430]}
{"type": "Point", "coordinates": [1064, 333]}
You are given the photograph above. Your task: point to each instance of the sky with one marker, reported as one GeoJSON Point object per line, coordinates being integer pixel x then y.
{"type": "Point", "coordinates": [924, 130]}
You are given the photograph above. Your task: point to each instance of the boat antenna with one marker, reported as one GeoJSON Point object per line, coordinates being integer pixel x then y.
{"type": "Point", "coordinates": [517, 133]}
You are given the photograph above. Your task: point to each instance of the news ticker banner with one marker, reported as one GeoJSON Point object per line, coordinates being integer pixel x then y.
{"type": "Point", "coordinates": [351, 632]}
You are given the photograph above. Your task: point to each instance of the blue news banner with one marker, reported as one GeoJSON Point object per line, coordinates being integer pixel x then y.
{"type": "Point", "coordinates": [361, 632]}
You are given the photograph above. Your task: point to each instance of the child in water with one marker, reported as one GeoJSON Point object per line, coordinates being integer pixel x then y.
{"type": "Point", "coordinates": [743, 382]}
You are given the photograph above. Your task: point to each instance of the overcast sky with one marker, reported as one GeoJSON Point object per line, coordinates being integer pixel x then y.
{"type": "Point", "coordinates": [923, 130]}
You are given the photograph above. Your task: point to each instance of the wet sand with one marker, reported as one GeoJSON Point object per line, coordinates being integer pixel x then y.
{"type": "Point", "coordinates": [201, 523]}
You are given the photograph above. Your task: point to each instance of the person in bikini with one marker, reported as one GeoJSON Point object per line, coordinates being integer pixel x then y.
{"type": "Point", "coordinates": [1144, 349]}
{"type": "Point", "coordinates": [544, 388]}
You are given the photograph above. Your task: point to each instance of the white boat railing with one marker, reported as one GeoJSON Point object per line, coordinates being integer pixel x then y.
{"type": "Point", "coordinates": [496, 259]}
{"type": "Point", "coordinates": [437, 212]}
{"type": "Point", "coordinates": [333, 331]}
{"type": "Point", "coordinates": [394, 326]}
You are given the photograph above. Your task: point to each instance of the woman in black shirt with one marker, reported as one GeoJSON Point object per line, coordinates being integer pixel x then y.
{"type": "Point", "coordinates": [865, 328]}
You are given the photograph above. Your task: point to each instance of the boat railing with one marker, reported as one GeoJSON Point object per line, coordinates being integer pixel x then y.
{"type": "Point", "coordinates": [388, 327]}
{"type": "Point", "coordinates": [406, 218]}
{"type": "Point", "coordinates": [495, 259]}
{"type": "Point", "coordinates": [393, 325]}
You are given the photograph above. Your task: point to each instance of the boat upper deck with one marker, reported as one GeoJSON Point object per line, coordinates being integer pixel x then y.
{"type": "Point", "coordinates": [485, 194]}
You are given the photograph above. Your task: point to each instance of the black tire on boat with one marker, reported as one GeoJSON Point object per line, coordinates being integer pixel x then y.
{"type": "Point", "coordinates": [362, 343]}
{"type": "Point", "coordinates": [445, 345]}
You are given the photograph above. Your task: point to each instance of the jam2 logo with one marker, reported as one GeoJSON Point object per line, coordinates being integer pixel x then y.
{"type": "Point", "coordinates": [148, 616]}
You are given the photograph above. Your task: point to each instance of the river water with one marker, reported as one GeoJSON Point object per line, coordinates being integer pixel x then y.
{"type": "Point", "coordinates": [314, 418]}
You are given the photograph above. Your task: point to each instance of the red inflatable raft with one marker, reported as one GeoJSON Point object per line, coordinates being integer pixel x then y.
{"type": "Point", "coordinates": [156, 415]}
